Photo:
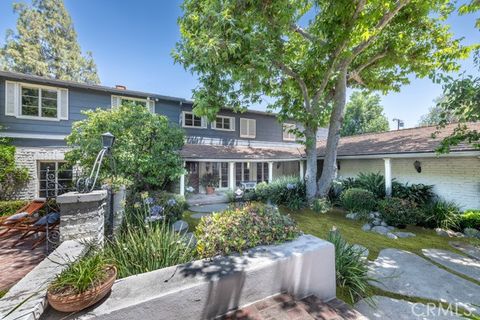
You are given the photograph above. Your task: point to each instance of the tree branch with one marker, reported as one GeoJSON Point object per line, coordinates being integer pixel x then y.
{"type": "Point", "coordinates": [384, 21]}
{"type": "Point", "coordinates": [302, 32]}
{"type": "Point", "coordinates": [303, 86]}
{"type": "Point", "coordinates": [355, 74]}
{"type": "Point", "coordinates": [336, 53]}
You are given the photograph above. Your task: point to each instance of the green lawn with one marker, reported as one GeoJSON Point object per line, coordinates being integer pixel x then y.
{"type": "Point", "coordinates": [319, 225]}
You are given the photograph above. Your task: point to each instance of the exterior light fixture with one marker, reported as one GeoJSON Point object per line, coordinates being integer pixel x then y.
{"type": "Point", "coordinates": [418, 166]}
{"type": "Point", "coordinates": [107, 140]}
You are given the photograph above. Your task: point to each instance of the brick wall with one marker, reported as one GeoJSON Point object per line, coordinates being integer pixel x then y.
{"type": "Point", "coordinates": [29, 157]}
{"type": "Point", "coordinates": [456, 179]}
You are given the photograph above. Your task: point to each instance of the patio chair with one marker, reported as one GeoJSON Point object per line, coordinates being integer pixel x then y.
{"type": "Point", "coordinates": [23, 215]}
{"type": "Point", "coordinates": [42, 226]}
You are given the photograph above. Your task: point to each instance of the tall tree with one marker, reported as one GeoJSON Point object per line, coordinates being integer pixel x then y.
{"type": "Point", "coordinates": [434, 115]}
{"type": "Point", "coordinates": [462, 100]}
{"type": "Point", "coordinates": [45, 44]}
{"type": "Point", "coordinates": [364, 114]}
{"type": "Point", "coordinates": [304, 53]}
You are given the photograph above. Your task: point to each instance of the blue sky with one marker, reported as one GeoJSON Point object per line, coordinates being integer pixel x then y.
{"type": "Point", "coordinates": [131, 43]}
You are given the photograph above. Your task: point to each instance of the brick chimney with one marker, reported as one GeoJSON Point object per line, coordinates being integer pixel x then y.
{"type": "Point", "coordinates": [120, 87]}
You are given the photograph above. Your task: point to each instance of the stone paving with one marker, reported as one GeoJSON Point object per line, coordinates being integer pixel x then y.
{"type": "Point", "coordinates": [468, 249]}
{"type": "Point", "coordinates": [284, 307]}
{"type": "Point", "coordinates": [209, 208]}
{"type": "Point", "coordinates": [16, 262]}
{"type": "Point", "coordinates": [385, 308]}
{"type": "Point", "coordinates": [458, 263]}
{"type": "Point", "coordinates": [408, 274]}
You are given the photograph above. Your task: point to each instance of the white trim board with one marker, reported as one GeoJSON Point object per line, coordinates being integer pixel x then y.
{"type": "Point", "coordinates": [241, 160]}
{"type": "Point", "coordinates": [33, 136]}
{"type": "Point", "coordinates": [411, 155]}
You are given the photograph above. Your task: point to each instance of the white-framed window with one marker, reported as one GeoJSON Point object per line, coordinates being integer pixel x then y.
{"type": "Point", "coordinates": [224, 123]}
{"type": "Point", "coordinates": [54, 178]}
{"type": "Point", "coordinates": [248, 128]}
{"type": "Point", "coordinates": [120, 100]}
{"type": "Point", "coordinates": [36, 102]}
{"type": "Point", "coordinates": [288, 135]}
{"type": "Point", "coordinates": [189, 120]}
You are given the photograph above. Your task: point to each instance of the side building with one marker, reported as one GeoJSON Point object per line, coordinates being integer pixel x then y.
{"type": "Point", "coordinates": [38, 113]}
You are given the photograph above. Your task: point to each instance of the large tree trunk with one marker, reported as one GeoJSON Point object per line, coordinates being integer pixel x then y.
{"type": "Point", "coordinates": [311, 171]}
{"type": "Point", "coordinates": [336, 119]}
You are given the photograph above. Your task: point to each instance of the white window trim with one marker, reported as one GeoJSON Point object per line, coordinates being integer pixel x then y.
{"type": "Point", "coordinates": [289, 136]}
{"type": "Point", "coordinates": [36, 86]}
{"type": "Point", "coordinates": [248, 127]}
{"type": "Point", "coordinates": [203, 120]}
{"type": "Point", "coordinates": [232, 123]}
{"type": "Point", "coordinates": [147, 101]}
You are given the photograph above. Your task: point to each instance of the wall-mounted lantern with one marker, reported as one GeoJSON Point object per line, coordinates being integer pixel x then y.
{"type": "Point", "coordinates": [418, 166]}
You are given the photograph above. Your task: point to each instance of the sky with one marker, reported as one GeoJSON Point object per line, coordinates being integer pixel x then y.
{"type": "Point", "coordinates": [131, 42]}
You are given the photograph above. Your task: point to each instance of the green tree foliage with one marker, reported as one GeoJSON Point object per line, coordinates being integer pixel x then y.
{"type": "Point", "coordinates": [462, 99]}
{"type": "Point", "coordinates": [12, 177]}
{"type": "Point", "coordinates": [304, 54]}
{"type": "Point", "coordinates": [364, 114]}
{"type": "Point", "coordinates": [434, 115]}
{"type": "Point", "coordinates": [145, 150]}
{"type": "Point", "coordinates": [45, 44]}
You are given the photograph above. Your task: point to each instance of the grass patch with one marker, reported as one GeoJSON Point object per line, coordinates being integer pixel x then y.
{"type": "Point", "coordinates": [319, 225]}
{"type": "Point", "coordinates": [2, 293]}
{"type": "Point", "coordinates": [192, 222]}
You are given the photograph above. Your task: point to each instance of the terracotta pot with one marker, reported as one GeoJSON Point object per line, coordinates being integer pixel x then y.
{"type": "Point", "coordinates": [210, 190]}
{"type": "Point", "coordinates": [77, 302]}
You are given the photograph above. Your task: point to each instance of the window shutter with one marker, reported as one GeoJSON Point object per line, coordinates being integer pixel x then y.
{"type": "Point", "coordinates": [12, 98]}
{"type": "Point", "coordinates": [204, 122]}
{"type": "Point", "coordinates": [151, 105]}
{"type": "Point", "coordinates": [243, 127]}
{"type": "Point", "coordinates": [116, 101]}
{"type": "Point", "coordinates": [232, 123]}
{"type": "Point", "coordinates": [213, 124]}
{"type": "Point", "coordinates": [62, 104]}
{"type": "Point", "coordinates": [252, 128]}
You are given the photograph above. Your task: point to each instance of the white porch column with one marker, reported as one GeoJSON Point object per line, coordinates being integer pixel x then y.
{"type": "Point", "coordinates": [270, 171]}
{"type": "Point", "coordinates": [388, 176]}
{"type": "Point", "coordinates": [302, 171]}
{"type": "Point", "coordinates": [231, 175]}
{"type": "Point", "coordinates": [182, 182]}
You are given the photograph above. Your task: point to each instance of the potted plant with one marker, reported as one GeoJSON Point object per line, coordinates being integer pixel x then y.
{"type": "Point", "coordinates": [82, 284]}
{"type": "Point", "coordinates": [209, 182]}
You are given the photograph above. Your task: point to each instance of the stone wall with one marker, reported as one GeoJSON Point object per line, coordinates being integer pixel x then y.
{"type": "Point", "coordinates": [454, 178]}
{"type": "Point", "coordinates": [29, 158]}
{"type": "Point", "coordinates": [82, 215]}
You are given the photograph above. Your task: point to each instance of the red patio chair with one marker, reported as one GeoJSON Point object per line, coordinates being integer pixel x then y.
{"type": "Point", "coordinates": [23, 215]}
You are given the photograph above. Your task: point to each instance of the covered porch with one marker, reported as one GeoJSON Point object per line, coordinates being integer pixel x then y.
{"type": "Point", "coordinates": [232, 166]}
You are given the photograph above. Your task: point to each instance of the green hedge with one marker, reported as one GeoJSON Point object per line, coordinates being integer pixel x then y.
{"type": "Point", "coordinates": [470, 219]}
{"type": "Point", "coordinates": [358, 200]}
{"type": "Point", "coordinates": [398, 212]}
{"type": "Point", "coordinates": [236, 230]}
{"type": "Point", "coordinates": [289, 191]}
{"type": "Point", "coordinates": [9, 207]}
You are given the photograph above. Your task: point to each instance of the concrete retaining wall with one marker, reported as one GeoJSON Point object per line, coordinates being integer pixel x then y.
{"type": "Point", "coordinates": [208, 288]}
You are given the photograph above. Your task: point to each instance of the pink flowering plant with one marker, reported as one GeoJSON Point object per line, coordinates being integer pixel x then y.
{"type": "Point", "coordinates": [236, 230]}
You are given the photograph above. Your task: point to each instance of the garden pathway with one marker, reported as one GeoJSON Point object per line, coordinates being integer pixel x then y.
{"type": "Point", "coordinates": [408, 274]}
{"type": "Point", "coordinates": [458, 263]}
{"type": "Point", "coordinates": [468, 249]}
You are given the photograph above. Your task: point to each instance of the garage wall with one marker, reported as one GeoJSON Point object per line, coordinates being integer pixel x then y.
{"type": "Point", "coordinates": [456, 179]}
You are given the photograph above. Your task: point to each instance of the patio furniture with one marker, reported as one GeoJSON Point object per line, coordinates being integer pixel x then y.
{"type": "Point", "coordinates": [23, 215]}
{"type": "Point", "coordinates": [248, 185]}
{"type": "Point", "coordinates": [44, 225]}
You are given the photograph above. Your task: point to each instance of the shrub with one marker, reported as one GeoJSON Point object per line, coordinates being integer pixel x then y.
{"type": "Point", "coordinates": [358, 200]}
{"type": "Point", "coordinates": [236, 230]}
{"type": "Point", "coordinates": [373, 182]}
{"type": "Point", "coordinates": [145, 150]}
{"type": "Point", "coordinates": [418, 193]}
{"type": "Point", "coordinates": [398, 212]}
{"type": "Point", "coordinates": [81, 275]}
{"type": "Point", "coordinates": [9, 207]}
{"type": "Point", "coordinates": [289, 191]}
{"type": "Point", "coordinates": [321, 205]}
{"type": "Point", "coordinates": [470, 219]}
{"type": "Point", "coordinates": [142, 249]}
{"type": "Point", "coordinates": [12, 177]}
{"type": "Point", "coordinates": [350, 267]}
{"type": "Point", "coordinates": [441, 214]}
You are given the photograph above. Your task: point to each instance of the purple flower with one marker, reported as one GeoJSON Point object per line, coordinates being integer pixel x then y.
{"type": "Point", "coordinates": [171, 202]}
{"type": "Point", "coordinates": [290, 186]}
{"type": "Point", "coordinates": [149, 201]}
{"type": "Point", "coordinates": [156, 210]}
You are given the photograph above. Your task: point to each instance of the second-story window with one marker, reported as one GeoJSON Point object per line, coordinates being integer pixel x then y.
{"type": "Point", "coordinates": [192, 121]}
{"type": "Point", "coordinates": [38, 102]}
{"type": "Point", "coordinates": [288, 135]}
{"type": "Point", "coordinates": [224, 123]}
{"type": "Point", "coordinates": [120, 100]}
{"type": "Point", "coordinates": [248, 128]}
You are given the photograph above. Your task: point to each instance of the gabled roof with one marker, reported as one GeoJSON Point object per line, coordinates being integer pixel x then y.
{"type": "Point", "coordinates": [202, 151]}
{"type": "Point", "coordinates": [414, 140]}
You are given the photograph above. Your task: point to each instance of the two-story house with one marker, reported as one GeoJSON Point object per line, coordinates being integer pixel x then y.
{"type": "Point", "coordinates": [38, 114]}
